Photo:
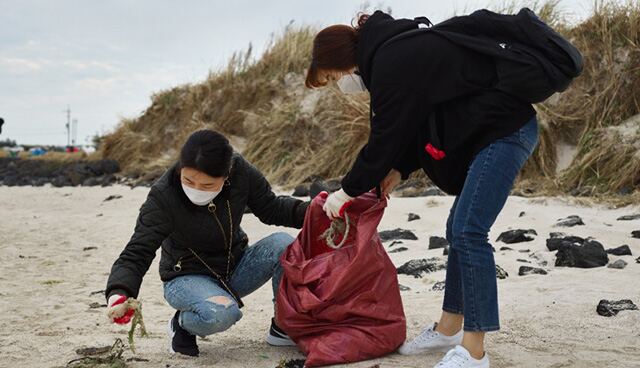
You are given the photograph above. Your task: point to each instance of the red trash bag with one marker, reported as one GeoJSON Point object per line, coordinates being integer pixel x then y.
{"type": "Point", "coordinates": [341, 305]}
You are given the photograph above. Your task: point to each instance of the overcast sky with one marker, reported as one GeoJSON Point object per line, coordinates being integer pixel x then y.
{"type": "Point", "coordinates": [105, 58]}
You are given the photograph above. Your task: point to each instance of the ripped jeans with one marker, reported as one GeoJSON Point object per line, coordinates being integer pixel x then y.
{"type": "Point", "coordinates": [206, 308]}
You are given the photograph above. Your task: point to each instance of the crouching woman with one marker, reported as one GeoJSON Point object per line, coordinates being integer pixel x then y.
{"type": "Point", "coordinates": [194, 212]}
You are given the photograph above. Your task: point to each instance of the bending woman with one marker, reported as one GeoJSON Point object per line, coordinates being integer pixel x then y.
{"type": "Point", "coordinates": [433, 107]}
{"type": "Point", "coordinates": [194, 212]}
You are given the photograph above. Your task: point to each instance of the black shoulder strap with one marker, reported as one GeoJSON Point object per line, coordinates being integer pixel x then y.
{"type": "Point", "coordinates": [433, 130]}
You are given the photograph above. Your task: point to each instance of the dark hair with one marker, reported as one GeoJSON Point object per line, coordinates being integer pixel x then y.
{"type": "Point", "coordinates": [334, 48]}
{"type": "Point", "coordinates": [207, 151]}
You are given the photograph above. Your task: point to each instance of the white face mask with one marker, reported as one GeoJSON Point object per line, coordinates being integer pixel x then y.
{"type": "Point", "coordinates": [199, 197]}
{"type": "Point", "coordinates": [351, 83]}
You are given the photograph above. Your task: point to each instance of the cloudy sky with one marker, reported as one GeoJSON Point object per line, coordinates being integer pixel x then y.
{"type": "Point", "coordinates": [105, 58]}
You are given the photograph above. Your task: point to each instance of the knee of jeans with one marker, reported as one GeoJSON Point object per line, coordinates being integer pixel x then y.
{"type": "Point", "coordinates": [219, 315]}
{"type": "Point", "coordinates": [280, 241]}
{"type": "Point", "coordinates": [461, 237]}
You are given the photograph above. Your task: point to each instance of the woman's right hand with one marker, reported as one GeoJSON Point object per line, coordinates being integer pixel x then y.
{"type": "Point", "coordinates": [118, 309]}
{"type": "Point", "coordinates": [391, 181]}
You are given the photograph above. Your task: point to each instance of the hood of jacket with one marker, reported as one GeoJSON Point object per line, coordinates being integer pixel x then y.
{"type": "Point", "coordinates": [378, 29]}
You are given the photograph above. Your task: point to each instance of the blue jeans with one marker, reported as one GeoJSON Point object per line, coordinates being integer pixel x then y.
{"type": "Point", "coordinates": [470, 287]}
{"type": "Point", "coordinates": [197, 297]}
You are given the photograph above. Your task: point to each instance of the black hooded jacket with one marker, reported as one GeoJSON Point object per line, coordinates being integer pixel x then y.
{"type": "Point", "coordinates": [168, 219]}
{"type": "Point", "coordinates": [412, 77]}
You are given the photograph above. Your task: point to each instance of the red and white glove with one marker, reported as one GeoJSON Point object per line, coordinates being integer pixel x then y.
{"type": "Point", "coordinates": [337, 203]}
{"type": "Point", "coordinates": [118, 311]}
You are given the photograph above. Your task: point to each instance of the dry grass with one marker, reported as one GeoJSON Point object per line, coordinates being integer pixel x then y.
{"type": "Point", "coordinates": [222, 102]}
{"type": "Point", "coordinates": [292, 133]}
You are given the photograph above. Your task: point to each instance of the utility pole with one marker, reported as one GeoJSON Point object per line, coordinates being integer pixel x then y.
{"type": "Point", "coordinates": [68, 125]}
{"type": "Point", "coordinates": [74, 129]}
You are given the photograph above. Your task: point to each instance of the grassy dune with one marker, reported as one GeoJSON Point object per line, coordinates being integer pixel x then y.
{"type": "Point", "coordinates": [291, 132]}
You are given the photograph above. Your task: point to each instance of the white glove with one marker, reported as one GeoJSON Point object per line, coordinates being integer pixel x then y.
{"type": "Point", "coordinates": [118, 309]}
{"type": "Point", "coordinates": [336, 204]}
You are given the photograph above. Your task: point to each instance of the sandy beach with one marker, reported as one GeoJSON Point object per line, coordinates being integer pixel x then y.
{"type": "Point", "coordinates": [49, 280]}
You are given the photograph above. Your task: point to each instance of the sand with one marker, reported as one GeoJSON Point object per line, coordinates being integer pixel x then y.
{"type": "Point", "coordinates": [550, 320]}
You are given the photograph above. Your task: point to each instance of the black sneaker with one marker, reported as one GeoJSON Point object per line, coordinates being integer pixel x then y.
{"type": "Point", "coordinates": [277, 337]}
{"type": "Point", "coordinates": [181, 341]}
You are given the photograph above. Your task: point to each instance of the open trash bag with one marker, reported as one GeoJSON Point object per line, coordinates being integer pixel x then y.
{"type": "Point", "coordinates": [341, 305]}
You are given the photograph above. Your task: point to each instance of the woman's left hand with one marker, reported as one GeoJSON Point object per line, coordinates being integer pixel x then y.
{"type": "Point", "coordinates": [390, 182]}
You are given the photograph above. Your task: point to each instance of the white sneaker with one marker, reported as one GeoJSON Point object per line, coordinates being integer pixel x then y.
{"type": "Point", "coordinates": [277, 337]}
{"type": "Point", "coordinates": [459, 357]}
{"type": "Point", "coordinates": [430, 340]}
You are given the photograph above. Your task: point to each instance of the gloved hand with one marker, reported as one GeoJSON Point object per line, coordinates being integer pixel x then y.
{"type": "Point", "coordinates": [118, 311]}
{"type": "Point", "coordinates": [337, 203]}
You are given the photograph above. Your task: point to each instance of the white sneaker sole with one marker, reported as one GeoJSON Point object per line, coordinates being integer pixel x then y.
{"type": "Point", "coordinates": [171, 334]}
{"type": "Point", "coordinates": [278, 341]}
{"type": "Point", "coordinates": [439, 349]}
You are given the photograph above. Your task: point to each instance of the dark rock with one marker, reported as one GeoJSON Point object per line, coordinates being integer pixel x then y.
{"type": "Point", "coordinates": [445, 251]}
{"type": "Point", "coordinates": [622, 250]}
{"type": "Point", "coordinates": [570, 221]}
{"type": "Point", "coordinates": [438, 286]}
{"type": "Point", "coordinates": [403, 288]}
{"type": "Point", "coordinates": [608, 308]}
{"type": "Point", "coordinates": [505, 248]}
{"type": "Point", "coordinates": [555, 242]}
{"type": "Point", "coordinates": [523, 260]}
{"type": "Point", "coordinates": [619, 264]}
{"type": "Point", "coordinates": [526, 270]}
{"type": "Point", "coordinates": [61, 181]}
{"type": "Point", "coordinates": [501, 273]}
{"type": "Point", "coordinates": [39, 182]}
{"type": "Point", "coordinates": [638, 260]}
{"type": "Point", "coordinates": [557, 235]}
{"type": "Point", "coordinates": [112, 197]}
{"type": "Point", "coordinates": [395, 243]}
{"type": "Point", "coordinates": [524, 250]}
{"type": "Point", "coordinates": [104, 167]}
{"type": "Point", "coordinates": [436, 242]}
{"type": "Point", "coordinates": [302, 190]}
{"type": "Point", "coordinates": [398, 250]}
{"type": "Point", "coordinates": [541, 261]}
{"type": "Point", "coordinates": [433, 191]}
{"type": "Point", "coordinates": [586, 255]}
{"type": "Point", "coordinates": [397, 234]}
{"type": "Point", "coordinates": [79, 172]}
{"type": "Point", "coordinates": [416, 267]}
{"type": "Point", "coordinates": [91, 182]}
{"type": "Point", "coordinates": [88, 248]}
{"type": "Point", "coordinates": [416, 187]}
{"type": "Point", "coordinates": [517, 236]}
{"type": "Point", "coordinates": [413, 217]}
{"type": "Point", "coordinates": [107, 180]}
{"type": "Point", "coordinates": [629, 217]}
{"type": "Point", "coordinates": [522, 214]}
{"type": "Point", "coordinates": [635, 234]}
{"type": "Point", "coordinates": [328, 186]}
{"type": "Point", "coordinates": [419, 192]}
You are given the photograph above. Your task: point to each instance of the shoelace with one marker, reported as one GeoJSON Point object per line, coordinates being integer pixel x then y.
{"type": "Point", "coordinates": [453, 359]}
{"type": "Point", "coordinates": [426, 334]}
